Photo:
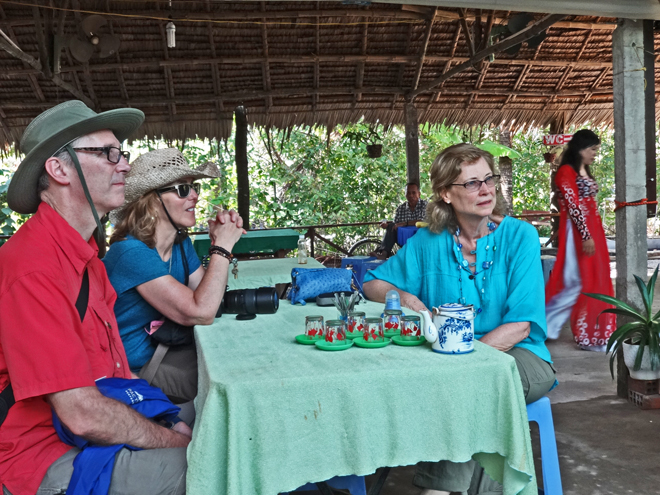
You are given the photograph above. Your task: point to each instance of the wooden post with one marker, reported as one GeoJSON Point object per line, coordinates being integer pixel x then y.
{"type": "Point", "coordinates": [649, 116]}
{"type": "Point", "coordinates": [242, 178]}
{"type": "Point", "coordinates": [556, 127]}
{"type": "Point", "coordinates": [412, 142]}
{"type": "Point", "coordinates": [506, 171]}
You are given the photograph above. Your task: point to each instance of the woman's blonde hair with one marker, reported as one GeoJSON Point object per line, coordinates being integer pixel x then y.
{"type": "Point", "coordinates": [139, 220]}
{"type": "Point", "coordinates": [444, 171]}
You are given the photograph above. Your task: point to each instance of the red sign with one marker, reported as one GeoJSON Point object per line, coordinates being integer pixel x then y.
{"type": "Point", "coordinates": [557, 139]}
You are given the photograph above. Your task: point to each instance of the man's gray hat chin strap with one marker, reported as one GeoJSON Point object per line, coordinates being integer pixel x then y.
{"type": "Point", "coordinates": [83, 182]}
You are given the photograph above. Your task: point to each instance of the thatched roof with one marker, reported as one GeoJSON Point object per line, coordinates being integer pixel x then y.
{"type": "Point", "coordinates": [291, 63]}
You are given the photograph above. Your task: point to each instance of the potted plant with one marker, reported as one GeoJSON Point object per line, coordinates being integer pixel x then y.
{"type": "Point", "coordinates": [549, 157]}
{"type": "Point", "coordinates": [639, 335]}
{"type": "Point", "coordinates": [368, 136]}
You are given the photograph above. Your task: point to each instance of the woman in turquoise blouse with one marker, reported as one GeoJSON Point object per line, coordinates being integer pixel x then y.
{"type": "Point", "coordinates": [472, 254]}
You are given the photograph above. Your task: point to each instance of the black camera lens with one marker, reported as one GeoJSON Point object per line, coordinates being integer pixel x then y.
{"type": "Point", "coordinates": [250, 302]}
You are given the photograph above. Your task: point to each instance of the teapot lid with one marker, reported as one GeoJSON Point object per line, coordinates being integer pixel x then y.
{"type": "Point", "coordinates": [456, 307]}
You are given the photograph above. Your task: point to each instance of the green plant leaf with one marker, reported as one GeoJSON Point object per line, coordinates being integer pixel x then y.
{"type": "Point", "coordinates": [641, 285]}
{"type": "Point", "coordinates": [654, 349]}
{"type": "Point", "coordinates": [616, 303]}
{"type": "Point", "coordinates": [620, 335]}
{"type": "Point", "coordinates": [497, 149]}
{"type": "Point", "coordinates": [627, 314]}
{"type": "Point", "coordinates": [650, 288]}
{"type": "Point", "coordinates": [640, 352]}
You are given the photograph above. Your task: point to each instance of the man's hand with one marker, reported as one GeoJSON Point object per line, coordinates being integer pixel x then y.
{"type": "Point", "coordinates": [183, 428]}
{"type": "Point", "coordinates": [383, 224]}
{"type": "Point", "coordinates": [104, 421]}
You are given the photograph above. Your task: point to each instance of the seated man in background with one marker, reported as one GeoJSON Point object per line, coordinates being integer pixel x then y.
{"type": "Point", "coordinates": [53, 348]}
{"type": "Point", "coordinates": [408, 213]}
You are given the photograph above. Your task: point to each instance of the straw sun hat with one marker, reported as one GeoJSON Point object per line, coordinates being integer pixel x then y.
{"type": "Point", "coordinates": [156, 169]}
{"type": "Point", "coordinates": [53, 129]}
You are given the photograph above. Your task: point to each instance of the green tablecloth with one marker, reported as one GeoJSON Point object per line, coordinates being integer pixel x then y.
{"type": "Point", "coordinates": [266, 273]}
{"type": "Point", "coordinates": [254, 241]}
{"type": "Point", "coordinates": [273, 414]}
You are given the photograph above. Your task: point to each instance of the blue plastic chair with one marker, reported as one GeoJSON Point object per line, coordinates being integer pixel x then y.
{"type": "Point", "coordinates": [353, 483]}
{"type": "Point", "coordinates": [359, 264]}
{"type": "Point", "coordinates": [541, 414]}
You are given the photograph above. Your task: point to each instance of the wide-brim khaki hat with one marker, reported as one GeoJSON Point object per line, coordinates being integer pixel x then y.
{"type": "Point", "coordinates": [53, 129]}
{"type": "Point", "coordinates": [156, 169]}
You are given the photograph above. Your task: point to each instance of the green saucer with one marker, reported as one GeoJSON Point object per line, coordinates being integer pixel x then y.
{"type": "Point", "coordinates": [306, 339]}
{"type": "Point", "coordinates": [392, 333]}
{"type": "Point", "coordinates": [354, 335]}
{"type": "Point", "coordinates": [398, 340]}
{"type": "Point", "coordinates": [325, 346]}
{"type": "Point", "coordinates": [360, 342]}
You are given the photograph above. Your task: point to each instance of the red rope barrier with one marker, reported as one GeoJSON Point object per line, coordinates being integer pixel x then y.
{"type": "Point", "coordinates": [643, 201]}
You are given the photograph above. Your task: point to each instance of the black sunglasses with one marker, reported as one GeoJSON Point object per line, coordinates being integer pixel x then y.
{"type": "Point", "coordinates": [183, 190]}
{"type": "Point", "coordinates": [112, 153]}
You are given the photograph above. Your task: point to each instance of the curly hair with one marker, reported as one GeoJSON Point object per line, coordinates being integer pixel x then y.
{"type": "Point", "coordinates": [139, 220]}
{"type": "Point", "coordinates": [444, 171]}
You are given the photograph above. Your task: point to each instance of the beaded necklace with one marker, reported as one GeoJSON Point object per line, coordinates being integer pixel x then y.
{"type": "Point", "coordinates": [463, 265]}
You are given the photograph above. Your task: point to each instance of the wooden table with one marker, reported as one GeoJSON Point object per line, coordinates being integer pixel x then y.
{"type": "Point", "coordinates": [273, 415]}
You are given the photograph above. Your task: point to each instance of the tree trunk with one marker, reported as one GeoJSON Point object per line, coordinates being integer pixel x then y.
{"type": "Point", "coordinates": [506, 171]}
{"type": "Point", "coordinates": [242, 178]}
{"type": "Point", "coordinates": [412, 142]}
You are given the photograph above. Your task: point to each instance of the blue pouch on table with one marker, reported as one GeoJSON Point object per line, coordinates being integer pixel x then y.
{"type": "Point", "coordinates": [307, 283]}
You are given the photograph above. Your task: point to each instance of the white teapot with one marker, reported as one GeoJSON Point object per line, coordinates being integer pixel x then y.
{"type": "Point", "coordinates": [451, 330]}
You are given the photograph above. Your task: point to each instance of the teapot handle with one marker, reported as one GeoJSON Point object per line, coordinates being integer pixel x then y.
{"type": "Point", "coordinates": [430, 331]}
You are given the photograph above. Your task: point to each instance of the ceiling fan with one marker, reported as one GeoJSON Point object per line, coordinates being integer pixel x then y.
{"type": "Point", "coordinates": [94, 38]}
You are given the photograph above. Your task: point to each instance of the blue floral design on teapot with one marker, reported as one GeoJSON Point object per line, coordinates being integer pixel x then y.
{"type": "Point", "coordinates": [451, 329]}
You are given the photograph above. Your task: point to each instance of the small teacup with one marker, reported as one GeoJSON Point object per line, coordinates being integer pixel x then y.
{"type": "Point", "coordinates": [392, 320]}
{"type": "Point", "coordinates": [411, 328]}
{"type": "Point", "coordinates": [355, 323]}
{"type": "Point", "coordinates": [335, 332]}
{"type": "Point", "coordinates": [314, 326]}
{"type": "Point", "coordinates": [373, 330]}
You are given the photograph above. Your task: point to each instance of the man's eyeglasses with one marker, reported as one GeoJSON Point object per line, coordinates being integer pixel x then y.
{"type": "Point", "coordinates": [475, 185]}
{"type": "Point", "coordinates": [112, 153]}
{"type": "Point", "coordinates": [183, 190]}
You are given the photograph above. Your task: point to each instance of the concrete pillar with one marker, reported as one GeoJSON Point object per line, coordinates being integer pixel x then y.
{"type": "Point", "coordinates": [629, 163]}
{"type": "Point", "coordinates": [649, 76]}
{"type": "Point", "coordinates": [412, 142]}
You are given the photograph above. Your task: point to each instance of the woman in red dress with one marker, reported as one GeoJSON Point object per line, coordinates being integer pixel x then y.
{"type": "Point", "coordinates": [582, 260]}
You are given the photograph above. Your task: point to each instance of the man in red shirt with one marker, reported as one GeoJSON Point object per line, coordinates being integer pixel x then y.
{"type": "Point", "coordinates": [47, 355]}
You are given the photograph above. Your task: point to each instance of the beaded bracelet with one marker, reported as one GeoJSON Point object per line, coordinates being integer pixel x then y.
{"type": "Point", "coordinates": [221, 251]}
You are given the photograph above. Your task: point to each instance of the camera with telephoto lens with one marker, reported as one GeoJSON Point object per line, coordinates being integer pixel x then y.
{"type": "Point", "coordinates": [248, 303]}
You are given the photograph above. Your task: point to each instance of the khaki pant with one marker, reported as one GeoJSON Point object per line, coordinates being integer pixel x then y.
{"type": "Point", "coordinates": [177, 373]}
{"type": "Point", "coordinates": [469, 478]}
{"type": "Point", "coordinates": [141, 472]}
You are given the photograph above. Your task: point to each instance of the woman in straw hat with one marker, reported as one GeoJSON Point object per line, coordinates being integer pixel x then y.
{"type": "Point", "coordinates": [153, 266]}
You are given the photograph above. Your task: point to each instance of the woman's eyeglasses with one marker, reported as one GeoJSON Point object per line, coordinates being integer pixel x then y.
{"type": "Point", "coordinates": [112, 153]}
{"type": "Point", "coordinates": [475, 185]}
{"type": "Point", "coordinates": [183, 190]}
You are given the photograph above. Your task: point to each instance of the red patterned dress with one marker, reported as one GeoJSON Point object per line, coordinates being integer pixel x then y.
{"type": "Point", "coordinates": [574, 272]}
